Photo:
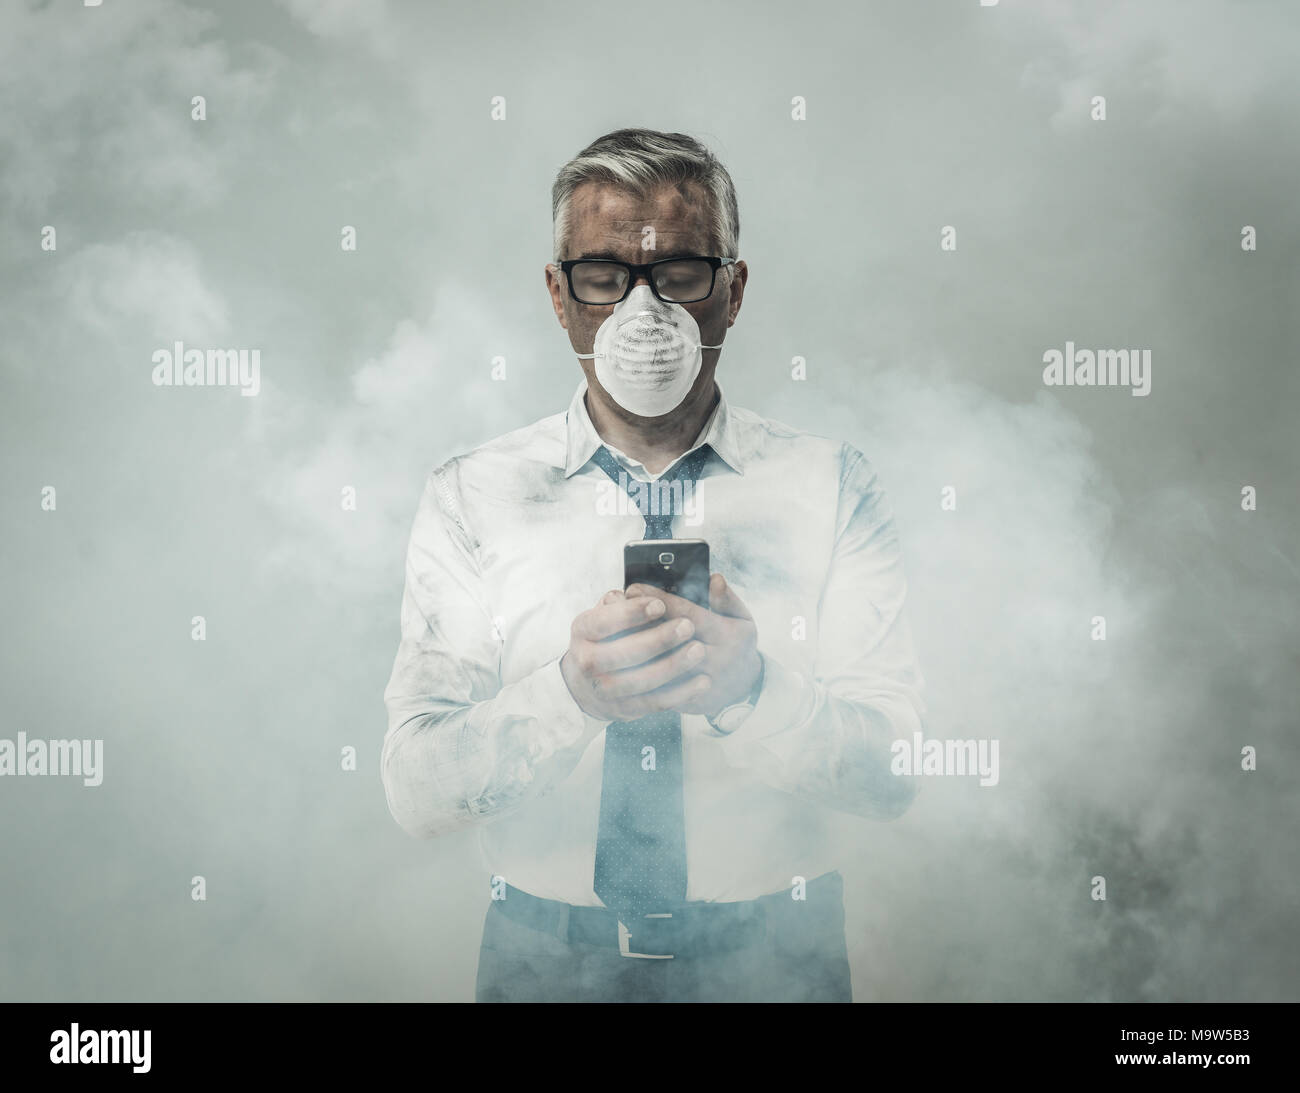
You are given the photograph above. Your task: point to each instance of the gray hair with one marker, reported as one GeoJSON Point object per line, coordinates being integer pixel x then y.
{"type": "Point", "coordinates": [639, 160]}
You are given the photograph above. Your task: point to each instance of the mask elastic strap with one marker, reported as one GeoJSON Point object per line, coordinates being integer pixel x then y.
{"type": "Point", "coordinates": [593, 356]}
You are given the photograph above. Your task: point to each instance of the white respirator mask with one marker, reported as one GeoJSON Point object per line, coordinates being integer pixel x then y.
{"type": "Point", "coordinates": [648, 353]}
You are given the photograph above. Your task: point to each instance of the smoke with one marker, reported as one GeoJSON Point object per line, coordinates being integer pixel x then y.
{"type": "Point", "coordinates": [224, 758]}
{"type": "Point", "coordinates": [1119, 758]}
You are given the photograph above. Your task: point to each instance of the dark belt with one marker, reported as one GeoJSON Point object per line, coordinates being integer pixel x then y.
{"type": "Point", "coordinates": [687, 929]}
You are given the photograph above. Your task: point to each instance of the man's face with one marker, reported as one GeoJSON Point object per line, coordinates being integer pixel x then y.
{"type": "Point", "coordinates": [607, 222]}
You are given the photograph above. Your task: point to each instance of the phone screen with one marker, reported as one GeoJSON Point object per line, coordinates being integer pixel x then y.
{"type": "Point", "coordinates": [679, 566]}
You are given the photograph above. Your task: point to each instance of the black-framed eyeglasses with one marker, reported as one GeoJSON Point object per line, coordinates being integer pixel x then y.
{"type": "Point", "coordinates": [604, 281]}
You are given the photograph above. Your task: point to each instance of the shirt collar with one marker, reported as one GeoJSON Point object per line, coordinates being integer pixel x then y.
{"type": "Point", "coordinates": [582, 440]}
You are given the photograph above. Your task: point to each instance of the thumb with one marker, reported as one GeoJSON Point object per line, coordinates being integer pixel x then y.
{"type": "Point", "coordinates": [723, 599]}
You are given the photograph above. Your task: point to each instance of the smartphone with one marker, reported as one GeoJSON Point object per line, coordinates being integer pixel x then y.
{"type": "Point", "coordinates": [679, 566]}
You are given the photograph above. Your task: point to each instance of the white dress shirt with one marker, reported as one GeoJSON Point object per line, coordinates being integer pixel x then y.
{"type": "Point", "coordinates": [514, 539]}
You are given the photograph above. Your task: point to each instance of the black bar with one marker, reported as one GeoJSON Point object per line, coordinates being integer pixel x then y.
{"type": "Point", "coordinates": [202, 1041]}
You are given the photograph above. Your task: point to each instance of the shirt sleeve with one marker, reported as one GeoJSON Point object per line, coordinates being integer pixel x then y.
{"type": "Point", "coordinates": [828, 736]}
{"type": "Point", "coordinates": [460, 747]}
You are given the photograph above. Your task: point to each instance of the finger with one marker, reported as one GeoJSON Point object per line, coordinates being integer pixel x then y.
{"type": "Point", "coordinates": [724, 601]}
{"type": "Point", "coordinates": [614, 617]}
{"type": "Point", "coordinates": [678, 607]}
{"type": "Point", "coordinates": [669, 697]}
{"type": "Point", "coordinates": [610, 596]}
{"type": "Point", "coordinates": [644, 678]}
{"type": "Point", "coordinates": [637, 647]}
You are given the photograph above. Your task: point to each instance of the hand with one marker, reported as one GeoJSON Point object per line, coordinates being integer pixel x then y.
{"type": "Point", "coordinates": [626, 659]}
{"type": "Point", "coordinates": [730, 639]}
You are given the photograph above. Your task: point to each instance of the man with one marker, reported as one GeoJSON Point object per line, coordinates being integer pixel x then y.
{"type": "Point", "coordinates": [655, 783]}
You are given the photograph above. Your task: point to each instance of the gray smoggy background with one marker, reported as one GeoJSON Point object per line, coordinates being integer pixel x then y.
{"type": "Point", "coordinates": [1119, 758]}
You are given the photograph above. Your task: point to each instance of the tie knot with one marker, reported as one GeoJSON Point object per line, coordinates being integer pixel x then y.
{"type": "Point", "coordinates": [667, 496]}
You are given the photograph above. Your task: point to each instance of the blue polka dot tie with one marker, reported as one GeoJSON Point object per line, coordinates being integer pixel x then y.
{"type": "Point", "coordinates": [641, 839]}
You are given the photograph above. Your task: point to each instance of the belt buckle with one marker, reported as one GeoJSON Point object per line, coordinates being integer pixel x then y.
{"type": "Point", "coordinates": [625, 937]}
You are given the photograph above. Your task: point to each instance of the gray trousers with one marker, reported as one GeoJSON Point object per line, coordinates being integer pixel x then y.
{"type": "Point", "coordinates": [801, 957]}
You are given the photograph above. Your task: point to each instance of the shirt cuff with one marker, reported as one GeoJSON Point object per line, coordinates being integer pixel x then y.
{"type": "Point", "coordinates": [783, 703]}
{"type": "Point", "coordinates": [542, 723]}
{"type": "Point", "coordinates": [571, 723]}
